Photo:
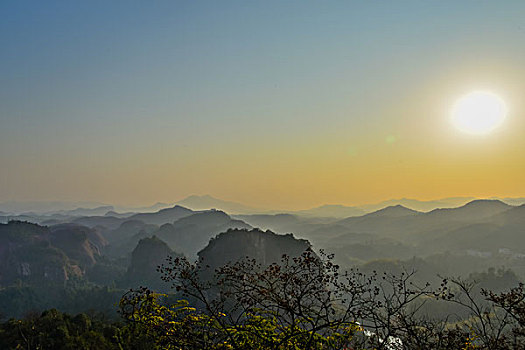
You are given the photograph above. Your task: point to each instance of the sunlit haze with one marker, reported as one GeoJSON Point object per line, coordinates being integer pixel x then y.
{"type": "Point", "coordinates": [479, 112]}
{"type": "Point", "coordinates": [281, 105]}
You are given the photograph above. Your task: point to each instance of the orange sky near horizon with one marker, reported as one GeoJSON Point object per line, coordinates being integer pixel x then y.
{"type": "Point", "coordinates": [277, 106]}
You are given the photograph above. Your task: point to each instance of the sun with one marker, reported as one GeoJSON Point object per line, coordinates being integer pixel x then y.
{"type": "Point", "coordinates": [478, 112]}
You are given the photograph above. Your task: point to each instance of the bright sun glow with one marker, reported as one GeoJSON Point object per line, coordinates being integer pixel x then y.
{"type": "Point", "coordinates": [479, 112]}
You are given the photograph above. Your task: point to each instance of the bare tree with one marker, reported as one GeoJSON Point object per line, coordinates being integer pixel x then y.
{"type": "Point", "coordinates": [306, 302]}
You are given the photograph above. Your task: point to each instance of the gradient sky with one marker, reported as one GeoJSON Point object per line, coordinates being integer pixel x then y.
{"type": "Point", "coordinates": [285, 104]}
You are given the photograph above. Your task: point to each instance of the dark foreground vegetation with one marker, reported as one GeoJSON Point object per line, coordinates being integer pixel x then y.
{"type": "Point", "coordinates": [301, 302]}
{"type": "Point", "coordinates": [230, 285]}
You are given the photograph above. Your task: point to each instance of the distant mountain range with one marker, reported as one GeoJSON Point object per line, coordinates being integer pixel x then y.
{"type": "Point", "coordinates": [480, 228]}
{"type": "Point", "coordinates": [18, 207]}
{"type": "Point", "coordinates": [335, 210]}
{"type": "Point", "coordinates": [418, 204]}
{"type": "Point", "coordinates": [331, 210]}
{"type": "Point", "coordinates": [123, 250]}
{"type": "Point", "coordinates": [207, 202]}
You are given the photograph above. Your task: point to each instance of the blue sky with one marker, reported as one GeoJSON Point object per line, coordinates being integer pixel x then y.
{"type": "Point", "coordinates": [92, 89]}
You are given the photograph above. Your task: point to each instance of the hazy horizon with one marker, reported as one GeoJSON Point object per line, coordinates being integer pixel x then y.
{"type": "Point", "coordinates": [262, 174]}
{"type": "Point", "coordinates": [274, 105]}
{"type": "Point", "coordinates": [44, 206]}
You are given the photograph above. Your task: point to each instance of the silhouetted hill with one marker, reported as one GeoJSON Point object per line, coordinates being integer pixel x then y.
{"type": "Point", "coordinates": [264, 246]}
{"type": "Point", "coordinates": [80, 243]}
{"type": "Point", "coordinates": [285, 223]}
{"type": "Point", "coordinates": [192, 233]}
{"type": "Point", "coordinates": [514, 216]}
{"type": "Point", "coordinates": [108, 222]}
{"type": "Point", "coordinates": [472, 211]}
{"type": "Point", "coordinates": [398, 232]}
{"type": "Point", "coordinates": [483, 233]}
{"type": "Point", "coordinates": [21, 232]}
{"type": "Point", "coordinates": [331, 211]}
{"type": "Point", "coordinates": [276, 222]}
{"type": "Point", "coordinates": [119, 215]}
{"type": "Point", "coordinates": [98, 211]}
{"type": "Point", "coordinates": [129, 229]}
{"type": "Point", "coordinates": [126, 237]}
{"type": "Point", "coordinates": [377, 219]}
{"type": "Point", "coordinates": [163, 216]}
{"type": "Point", "coordinates": [389, 222]}
{"type": "Point", "coordinates": [208, 202]}
{"type": "Point", "coordinates": [148, 254]}
{"type": "Point", "coordinates": [419, 205]}
{"type": "Point", "coordinates": [26, 254]}
{"type": "Point", "coordinates": [149, 209]}
{"type": "Point", "coordinates": [158, 218]}
{"type": "Point", "coordinates": [403, 226]}
{"type": "Point", "coordinates": [483, 237]}
{"type": "Point", "coordinates": [41, 207]}
{"type": "Point", "coordinates": [394, 211]}
{"type": "Point", "coordinates": [93, 235]}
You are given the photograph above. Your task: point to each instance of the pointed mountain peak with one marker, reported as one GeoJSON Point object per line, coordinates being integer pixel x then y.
{"type": "Point", "coordinates": [393, 211]}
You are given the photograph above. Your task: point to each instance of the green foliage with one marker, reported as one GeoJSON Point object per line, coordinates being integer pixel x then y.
{"type": "Point", "coordinates": [179, 326]}
{"type": "Point", "coordinates": [19, 231]}
{"type": "Point", "coordinates": [42, 253]}
{"type": "Point", "coordinates": [302, 302]}
{"type": "Point", "coordinates": [173, 327]}
{"type": "Point", "coordinates": [55, 330]}
{"type": "Point", "coordinates": [105, 273]}
{"type": "Point", "coordinates": [73, 297]}
{"type": "Point", "coordinates": [306, 303]}
{"type": "Point", "coordinates": [18, 299]}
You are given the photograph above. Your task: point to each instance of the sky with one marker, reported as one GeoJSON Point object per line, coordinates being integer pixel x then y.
{"type": "Point", "coordinates": [276, 104]}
